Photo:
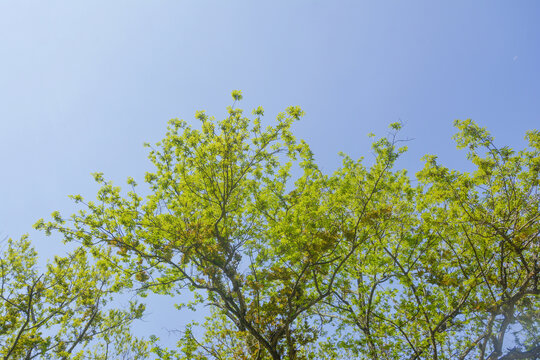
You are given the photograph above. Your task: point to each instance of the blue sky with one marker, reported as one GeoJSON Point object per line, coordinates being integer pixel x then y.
{"type": "Point", "coordinates": [84, 84]}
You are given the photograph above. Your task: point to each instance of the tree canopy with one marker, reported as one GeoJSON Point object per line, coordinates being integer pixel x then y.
{"type": "Point", "coordinates": [64, 312]}
{"type": "Point", "coordinates": [295, 263]}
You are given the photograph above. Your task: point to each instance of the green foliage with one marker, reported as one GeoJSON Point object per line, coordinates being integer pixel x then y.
{"type": "Point", "coordinates": [62, 313]}
{"type": "Point", "coordinates": [298, 264]}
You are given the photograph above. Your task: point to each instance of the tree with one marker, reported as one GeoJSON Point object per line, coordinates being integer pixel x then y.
{"type": "Point", "coordinates": [453, 271]}
{"type": "Point", "coordinates": [61, 313]}
{"type": "Point", "coordinates": [488, 223]}
{"type": "Point", "coordinates": [299, 264]}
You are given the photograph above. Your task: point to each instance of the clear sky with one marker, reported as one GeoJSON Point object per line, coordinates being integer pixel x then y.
{"type": "Point", "coordinates": [84, 83]}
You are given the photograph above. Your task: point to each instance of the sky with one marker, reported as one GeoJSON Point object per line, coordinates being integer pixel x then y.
{"type": "Point", "coordinates": [84, 84]}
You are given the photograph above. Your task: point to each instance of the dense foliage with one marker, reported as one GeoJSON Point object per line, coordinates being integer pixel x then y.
{"type": "Point", "coordinates": [64, 312]}
{"type": "Point", "coordinates": [298, 264]}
